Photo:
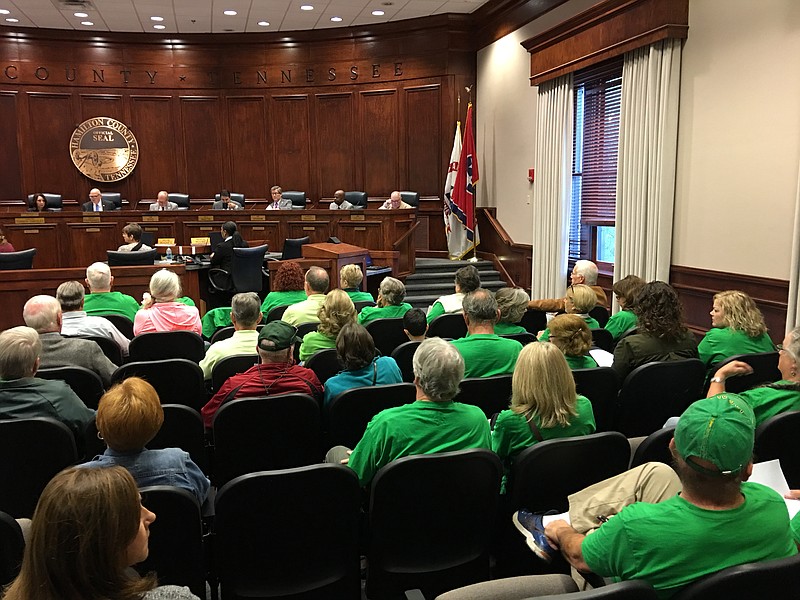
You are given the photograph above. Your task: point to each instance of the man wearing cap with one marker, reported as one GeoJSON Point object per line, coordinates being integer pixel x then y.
{"type": "Point", "coordinates": [277, 373]}
{"type": "Point", "coordinates": [670, 530]}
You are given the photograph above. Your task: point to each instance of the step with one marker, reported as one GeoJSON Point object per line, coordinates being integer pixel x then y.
{"type": "Point", "coordinates": [448, 287]}
{"type": "Point", "coordinates": [429, 277]}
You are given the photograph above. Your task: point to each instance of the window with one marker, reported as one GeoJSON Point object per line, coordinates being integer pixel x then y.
{"type": "Point", "coordinates": [598, 92]}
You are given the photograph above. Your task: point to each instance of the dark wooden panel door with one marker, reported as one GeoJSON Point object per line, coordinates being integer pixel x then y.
{"type": "Point", "coordinates": [163, 229]}
{"type": "Point", "coordinates": [334, 143]}
{"type": "Point", "coordinates": [424, 140]}
{"type": "Point", "coordinates": [11, 181]}
{"type": "Point", "coordinates": [200, 123]}
{"type": "Point", "coordinates": [42, 237]}
{"type": "Point", "coordinates": [152, 122]}
{"type": "Point", "coordinates": [380, 143]}
{"type": "Point", "coordinates": [318, 231]}
{"type": "Point", "coordinates": [247, 134]}
{"type": "Point", "coordinates": [51, 124]}
{"type": "Point", "coordinates": [91, 240]}
{"type": "Point", "coordinates": [291, 135]}
{"type": "Point", "coordinates": [366, 234]}
{"type": "Point", "coordinates": [262, 231]}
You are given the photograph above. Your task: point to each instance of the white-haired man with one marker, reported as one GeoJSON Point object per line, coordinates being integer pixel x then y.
{"type": "Point", "coordinates": [584, 272]}
{"type": "Point", "coordinates": [101, 300]}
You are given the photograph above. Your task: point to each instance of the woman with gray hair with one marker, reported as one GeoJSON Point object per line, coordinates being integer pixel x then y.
{"type": "Point", "coordinates": [160, 309]}
{"type": "Point", "coordinates": [512, 304]}
{"type": "Point", "coordinates": [391, 294]}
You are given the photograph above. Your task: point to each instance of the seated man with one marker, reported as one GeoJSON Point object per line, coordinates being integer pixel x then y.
{"type": "Point", "coordinates": [43, 313]}
{"type": "Point", "coordinates": [132, 235]}
{"type": "Point", "coordinates": [339, 203]}
{"type": "Point", "coordinates": [390, 305]}
{"type": "Point", "coordinates": [101, 300]}
{"type": "Point", "coordinates": [394, 202]}
{"type": "Point", "coordinates": [163, 203]}
{"type": "Point", "coordinates": [641, 528]}
{"type": "Point", "coordinates": [414, 325]}
{"type": "Point", "coordinates": [467, 280]}
{"type": "Point", "coordinates": [433, 423]}
{"type": "Point", "coordinates": [275, 375]}
{"type": "Point", "coordinates": [96, 202]}
{"type": "Point", "coordinates": [584, 272]}
{"type": "Point", "coordinates": [75, 321]}
{"type": "Point", "coordinates": [225, 202]}
{"type": "Point", "coordinates": [245, 316]}
{"type": "Point", "coordinates": [278, 201]}
{"type": "Point", "coordinates": [485, 353]}
{"type": "Point", "coordinates": [316, 286]}
{"type": "Point", "coordinates": [23, 396]}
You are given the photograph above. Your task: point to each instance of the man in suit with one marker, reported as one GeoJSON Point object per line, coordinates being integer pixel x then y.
{"type": "Point", "coordinates": [225, 202]}
{"type": "Point", "coordinates": [96, 202]}
{"type": "Point", "coordinates": [278, 201]}
{"type": "Point", "coordinates": [163, 203]}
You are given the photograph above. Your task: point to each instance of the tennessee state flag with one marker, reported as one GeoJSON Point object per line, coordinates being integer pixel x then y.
{"type": "Point", "coordinates": [463, 195]}
{"type": "Point", "coordinates": [451, 223]}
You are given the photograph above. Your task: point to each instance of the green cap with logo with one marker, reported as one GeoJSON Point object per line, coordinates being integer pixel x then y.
{"type": "Point", "coordinates": [277, 335]}
{"type": "Point", "coordinates": [719, 429]}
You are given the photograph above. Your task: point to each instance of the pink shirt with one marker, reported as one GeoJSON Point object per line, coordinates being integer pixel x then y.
{"type": "Point", "coordinates": [167, 316]}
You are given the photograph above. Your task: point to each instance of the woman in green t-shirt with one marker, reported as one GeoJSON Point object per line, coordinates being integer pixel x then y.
{"type": "Point", "coordinates": [512, 304]}
{"type": "Point", "coordinates": [288, 287]}
{"type": "Point", "coordinates": [572, 336]}
{"type": "Point", "coordinates": [336, 311]}
{"type": "Point", "coordinates": [625, 291]}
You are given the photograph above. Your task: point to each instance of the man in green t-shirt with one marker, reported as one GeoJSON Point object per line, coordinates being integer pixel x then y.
{"type": "Point", "coordinates": [638, 528]}
{"type": "Point", "coordinates": [101, 300]}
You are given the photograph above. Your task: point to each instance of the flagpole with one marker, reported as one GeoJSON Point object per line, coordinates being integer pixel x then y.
{"type": "Point", "coordinates": [474, 199]}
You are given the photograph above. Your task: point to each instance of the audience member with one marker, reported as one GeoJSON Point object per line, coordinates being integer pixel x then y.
{"type": "Point", "coordinates": [512, 304]}
{"type": "Point", "coordinates": [132, 236]}
{"type": "Point", "coordinates": [414, 324]}
{"type": "Point", "coordinates": [161, 311]}
{"type": "Point", "coordinates": [339, 203]}
{"type": "Point", "coordinates": [579, 300]}
{"type": "Point", "coordinates": [96, 202]}
{"type": "Point", "coordinates": [431, 424]}
{"type": "Point", "coordinates": [363, 367]}
{"type": "Point", "coordinates": [625, 290]}
{"type": "Point", "coordinates": [288, 287]}
{"type": "Point", "coordinates": [571, 335]}
{"type": "Point", "coordinates": [128, 417]}
{"type": "Point", "coordinates": [584, 272]}
{"type": "Point", "coordinates": [222, 257]}
{"type": "Point", "coordinates": [75, 321]}
{"type": "Point", "coordinates": [350, 278]}
{"type": "Point", "coordinates": [316, 286]}
{"type": "Point", "coordinates": [245, 316]}
{"type": "Point", "coordinates": [88, 528]}
{"type": "Point", "coordinates": [225, 202]}
{"type": "Point", "coordinates": [23, 396]}
{"type": "Point", "coordinates": [278, 201]}
{"type": "Point", "coordinates": [390, 305]}
{"type": "Point", "coordinates": [101, 300]}
{"type": "Point", "coordinates": [394, 202]}
{"type": "Point", "coordinates": [275, 375]}
{"type": "Point", "coordinates": [467, 280]}
{"type": "Point", "coordinates": [485, 353]}
{"type": "Point", "coordinates": [336, 311]}
{"type": "Point", "coordinates": [43, 313]}
{"type": "Point", "coordinates": [717, 521]}
{"type": "Point", "coordinates": [5, 245]}
{"type": "Point", "coordinates": [163, 203]}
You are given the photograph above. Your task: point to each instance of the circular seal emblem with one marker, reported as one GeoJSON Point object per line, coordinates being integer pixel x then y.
{"type": "Point", "coordinates": [104, 149]}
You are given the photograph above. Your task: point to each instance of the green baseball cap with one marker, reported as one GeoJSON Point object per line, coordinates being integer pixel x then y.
{"type": "Point", "coordinates": [719, 429]}
{"type": "Point", "coordinates": [277, 335]}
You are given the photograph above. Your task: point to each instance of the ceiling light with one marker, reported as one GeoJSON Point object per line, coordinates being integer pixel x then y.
{"type": "Point", "coordinates": [4, 11]}
{"type": "Point", "coordinates": [81, 15]}
{"type": "Point", "coordinates": [378, 13]}
{"type": "Point", "coordinates": [264, 23]}
{"type": "Point", "coordinates": [157, 19]}
{"type": "Point", "coordinates": [86, 23]}
{"type": "Point", "coordinates": [159, 26]}
{"type": "Point", "coordinates": [306, 7]}
{"type": "Point", "coordinates": [336, 19]}
{"type": "Point", "coordinates": [230, 13]}
{"type": "Point", "coordinates": [13, 20]}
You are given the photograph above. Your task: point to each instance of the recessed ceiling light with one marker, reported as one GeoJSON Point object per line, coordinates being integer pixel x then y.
{"type": "Point", "coordinates": [81, 15]}
{"type": "Point", "coordinates": [3, 11]}
{"type": "Point", "coordinates": [159, 26]}
{"type": "Point", "coordinates": [378, 13]}
{"type": "Point", "coordinates": [336, 19]}
{"type": "Point", "coordinates": [264, 23]}
{"type": "Point", "coordinates": [306, 7]}
{"type": "Point", "coordinates": [86, 23]}
{"type": "Point", "coordinates": [13, 20]}
{"type": "Point", "coordinates": [157, 19]}
{"type": "Point", "coordinates": [230, 13]}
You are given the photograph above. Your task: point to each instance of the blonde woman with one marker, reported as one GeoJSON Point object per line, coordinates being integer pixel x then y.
{"type": "Point", "coordinates": [737, 328]}
{"type": "Point", "coordinates": [544, 403]}
{"type": "Point", "coordinates": [579, 300]}
{"type": "Point", "coordinates": [337, 309]}
{"type": "Point", "coordinates": [512, 304]}
{"type": "Point", "coordinates": [350, 278]}
{"type": "Point", "coordinates": [572, 336]}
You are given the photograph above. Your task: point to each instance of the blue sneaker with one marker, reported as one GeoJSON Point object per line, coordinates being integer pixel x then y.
{"type": "Point", "coordinates": [530, 525]}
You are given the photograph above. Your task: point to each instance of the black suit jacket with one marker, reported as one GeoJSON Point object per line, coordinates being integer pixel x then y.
{"type": "Point", "coordinates": [223, 255]}
{"type": "Point", "coordinates": [107, 205]}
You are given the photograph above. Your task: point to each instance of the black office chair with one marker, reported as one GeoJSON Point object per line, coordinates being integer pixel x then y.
{"type": "Point", "coordinates": [603, 339]}
{"type": "Point", "coordinates": [176, 380]}
{"type": "Point", "coordinates": [114, 197]}
{"type": "Point", "coordinates": [229, 366]}
{"type": "Point", "coordinates": [124, 324]}
{"type": "Point", "coordinates": [130, 259]}
{"type": "Point", "coordinates": [513, 587]}
{"type": "Point", "coordinates": [522, 338]}
{"type": "Point", "coordinates": [109, 347]}
{"type": "Point", "coordinates": [451, 326]}
{"type": "Point", "coordinates": [182, 200]}
{"type": "Point", "coordinates": [600, 314]}
{"type": "Point", "coordinates": [765, 370]}
{"type": "Point", "coordinates": [601, 386]}
{"type": "Point", "coordinates": [276, 314]}
{"type": "Point", "coordinates": [86, 384]}
{"type": "Point", "coordinates": [247, 271]}
{"type": "Point", "coordinates": [33, 450]}
{"type": "Point", "coordinates": [777, 438]}
{"type": "Point", "coordinates": [325, 364]}
{"type": "Point", "coordinates": [534, 321]}
{"type": "Point", "coordinates": [223, 333]}
{"type": "Point", "coordinates": [10, 261]}
{"type": "Point", "coordinates": [302, 330]}
{"type": "Point", "coordinates": [293, 247]}
{"type": "Point", "coordinates": [12, 547]}
{"type": "Point", "coordinates": [361, 304]}
{"type": "Point", "coordinates": [53, 202]}
{"type": "Point", "coordinates": [350, 412]}
{"type": "Point", "coordinates": [298, 199]}
{"type": "Point", "coordinates": [654, 448]}
{"type": "Point", "coordinates": [443, 543]}
{"type": "Point", "coordinates": [403, 355]}
{"type": "Point", "coordinates": [266, 546]}
{"type": "Point", "coordinates": [161, 345]}
{"type": "Point", "coordinates": [490, 394]}
{"type": "Point", "coordinates": [357, 199]}
{"type": "Point", "coordinates": [182, 428]}
{"type": "Point", "coordinates": [387, 334]}
{"type": "Point", "coordinates": [265, 433]}
{"type": "Point", "coordinates": [411, 198]}
{"type": "Point", "coordinates": [235, 197]}
{"type": "Point", "coordinates": [176, 538]}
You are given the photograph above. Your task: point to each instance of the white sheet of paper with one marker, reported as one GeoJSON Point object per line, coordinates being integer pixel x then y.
{"type": "Point", "coordinates": [603, 358]}
{"type": "Point", "coordinates": [770, 474]}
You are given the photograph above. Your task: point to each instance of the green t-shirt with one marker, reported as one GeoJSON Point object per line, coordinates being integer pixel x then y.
{"type": "Point", "coordinates": [274, 299]}
{"type": "Point", "coordinates": [795, 525]}
{"type": "Point", "coordinates": [674, 542]}
{"type": "Point", "coordinates": [313, 342]}
{"type": "Point", "coordinates": [359, 296]}
{"type": "Point", "coordinates": [370, 313]}
{"type": "Point", "coordinates": [581, 362]}
{"type": "Point", "coordinates": [620, 322]}
{"type": "Point", "coordinates": [723, 342]}
{"type": "Point", "coordinates": [487, 354]}
{"type": "Point", "coordinates": [111, 303]}
{"type": "Point", "coordinates": [216, 318]}
{"type": "Point", "coordinates": [421, 427]}
{"type": "Point", "coordinates": [591, 322]}
{"type": "Point", "coordinates": [767, 402]}
{"type": "Point", "coordinates": [185, 300]}
{"type": "Point", "coordinates": [504, 328]}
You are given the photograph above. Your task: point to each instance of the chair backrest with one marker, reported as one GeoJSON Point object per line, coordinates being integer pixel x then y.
{"type": "Point", "coordinates": [600, 314]}
{"type": "Point", "coordinates": [452, 326]}
{"type": "Point", "coordinates": [601, 386]}
{"type": "Point", "coordinates": [534, 321]}
{"type": "Point", "coordinates": [567, 465]}
{"type": "Point", "coordinates": [114, 197]}
{"type": "Point", "coordinates": [176, 538]}
{"type": "Point", "coordinates": [23, 259]}
{"type": "Point", "coordinates": [247, 268]}
{"type": "Point", "coordinates": [403, 355]}
{"type": "Point", "coordinates": [160, 345]}
{"type": "Point", "coordinates": [293, 247]}
{"type": "Point", "coordinates": [123, 323]}
{"type": "Point", "coordinates": [236, 197]}
{"type": "Point", "coordinates": [523, 338]}
{"type": "Point", "coordinates": [229, 366]}
{"type": "Point", "coordinates": [182, 200]}
{"type": "Point", "coordinates": [265, 433]}
{"type": "Point", "coordinates": [298, 199]}
{"type": "Point", "coordinates": [33, 450]}
{"type": "Point", "coordinates": [387, 334]}
{"type": "Point", "coordinates": [223, 333]}
{"type": "Point", "coordinates": [635, 589]}
{"type": "Point", "coordinates": [654, 448]}
{"type": "Point", "coordinates": [182, 428]}
{"type": "Point", "coordinates": [86, 384]}
{"type": "Point", "coordinates": [261, 520]}
{"type": "Point", "coordinates": [765, 370]}
{"type": "Point", "coordinates": [654, 392]}
{"type": "Point", "coordinates": [431, 547]}
{"type": "Point", "coordinates": [128, 259]}
{"type": "Point", "coordinates": [411, 198]}
{"type": "Point", "coordinates": [357, 199]}
{"type": "Point", "coordinates": [303, 329]}
{"type": "Point", "coordinates": [177, 380]}
{"type": "Point", "coordinates": [109, 347]}
{"type": "Point", "coordinates": [325, 364]}
{"type": "Point", "coordinates": [603, 339]}
{"type": "Point", "coordinates": [276, 314]}
{"type": "Point", "coordinates": [777, 438]}
{"type": "Point", "coordinates": [490, 394]}
{"type": "Point", "coordinates": [52, 201]}
{"type": "Point", "coordinates": [360, 304]}
{"type": "Point", "coordinates": [12, 546]}
{"type": "Point", "coordinates": [350, 412]}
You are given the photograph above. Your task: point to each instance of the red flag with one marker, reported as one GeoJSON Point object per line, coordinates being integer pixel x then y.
{"type": "Point", "coordinates": [466, 178]}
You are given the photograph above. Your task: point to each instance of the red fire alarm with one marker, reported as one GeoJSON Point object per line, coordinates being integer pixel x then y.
{"type": "Point", "coordinates": [530, 175]}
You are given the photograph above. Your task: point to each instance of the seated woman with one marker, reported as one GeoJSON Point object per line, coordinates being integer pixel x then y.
{"type": "Point", "coordinates": [391, 294]}
{"type": "Point", "coordinates": [467, 280]}
{"type": "Point", "coordinates": [88, 528]}
{"type": "Point", "coordinates": [661, 335]}
{"type": "Point", "coordinates": [39, 204]}
{"type": "Point", "coordinates": [579, 300]}
{"type": "Point", "coordinates": [544, 404]}
{"type": "Point", "coordinates": [222, 257]}
{"type": "Point", "coordinates": [625, 290]}
{"type": "Point", "coordinates": [362, 365]}
{"type": "Point", "coordinates": [288, 287]}
{"type": "Point", "coordinates": [512, 304]}
{"type": "Point", "coordinates": [350, 278]}
{"type": "Point", "coordinates": [132, 236]}
{"type": "Point", "coordinates": [129, 416]}
{"type": "Point", "coordinates": [572, 336]}
{"type": "Point", "coordinates": [737, 327]}
{"type": "Point", "coordinates": [336, 311]}
{"type": "Point", "coordinates": [5, 245]}
{"type": "Point", "coordinates": [161, 311]}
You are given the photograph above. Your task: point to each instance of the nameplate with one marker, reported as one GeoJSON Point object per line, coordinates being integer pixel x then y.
{"type": "Point", "coordinates": [165, 242]}
{"type": "Point", "coordinates": [359, 228]}
{"type": "Point", "coordinates": [258, 217]}
{"type": "Point", "coordinates": [259, 228]}
{"type": "Point", "coordinates": [150, 218]}
{"type": "Point", "coordinates": [206, 228]}
{"type": "Point", "coordinates": [92, 230]}
{"type": "Point", "coordinates": [149, 228]}
{"type": "Point", "coordinates": [30, 231]}
{"type": "Point", "coordinates": [91, 220]}
{"type": "Point", "coordinates": [205, 218]}
{"type": "Point", "coordinates": [200, 241]}
{"type": "Point", "coordinates": [308, 217]}
{"type": "Point", "coordinates": [29, 220]}
{"type": "Point", "coordinates": [356, 217]}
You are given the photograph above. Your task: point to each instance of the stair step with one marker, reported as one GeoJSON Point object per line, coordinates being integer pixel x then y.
{"type": "Point", "coordinates": [485, 276]}
{"type": "Point", "coordinates": [447, 287]}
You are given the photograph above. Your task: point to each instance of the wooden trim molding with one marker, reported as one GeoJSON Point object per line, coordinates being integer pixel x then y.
{"type": "Point", "coordinates": [606, 30]}
{"type": "Point", "coordinates": [498, 18]}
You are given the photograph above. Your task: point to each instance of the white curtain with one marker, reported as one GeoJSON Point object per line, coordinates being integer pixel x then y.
{"type": "Point", "coordinates": [648, 140]}
{"type": "Point", "coordinates": [793, 307]}
{"type": "Point", "coordinates": [552, 188]}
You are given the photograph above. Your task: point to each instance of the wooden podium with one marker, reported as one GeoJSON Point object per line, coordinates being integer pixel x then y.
{"type": "Point", "coordinates": [337, 256]}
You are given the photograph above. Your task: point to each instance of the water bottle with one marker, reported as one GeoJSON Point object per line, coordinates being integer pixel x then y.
{"type": "Point", "coordinates": [169, 254]}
